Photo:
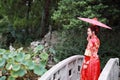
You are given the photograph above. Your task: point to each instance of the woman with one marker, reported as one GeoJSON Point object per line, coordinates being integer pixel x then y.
{"type": "Point", "coordinates": [91, 64]}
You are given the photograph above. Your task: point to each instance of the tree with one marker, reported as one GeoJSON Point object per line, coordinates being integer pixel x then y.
{"type": "Point", "coordinates": [26, 17]}
{"type": "Point", "coordinates": [68, 11]}
{"type": "Point", "coordinates": [45, 18]}
{"type": "Point", "coordinates": [65, 19]}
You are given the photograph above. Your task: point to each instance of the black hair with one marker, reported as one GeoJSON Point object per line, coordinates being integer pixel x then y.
{"type": "Point", "coordinates": [95, 29]}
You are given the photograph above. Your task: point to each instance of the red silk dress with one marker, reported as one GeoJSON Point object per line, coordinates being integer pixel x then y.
{"type": "Point", "coordinates": [91, 64]}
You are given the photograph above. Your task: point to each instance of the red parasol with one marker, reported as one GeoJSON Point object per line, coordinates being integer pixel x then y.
{"type": "Point", "coordinates": [94, 22]}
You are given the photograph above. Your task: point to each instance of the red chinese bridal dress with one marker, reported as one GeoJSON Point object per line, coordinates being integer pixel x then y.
{"type": "Point", "coordinates": [91, 64]}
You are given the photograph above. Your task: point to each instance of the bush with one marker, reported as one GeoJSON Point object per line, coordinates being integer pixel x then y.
{"type": "Point", "coordinates": [16, 63]}
{"type": "Point", "coordinates": [72, 42]}
{"type": "Point", "coordinates": [68, 10]}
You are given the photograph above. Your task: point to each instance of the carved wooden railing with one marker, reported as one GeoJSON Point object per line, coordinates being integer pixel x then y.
{"type": "Point", "coordinates": [68, 69]}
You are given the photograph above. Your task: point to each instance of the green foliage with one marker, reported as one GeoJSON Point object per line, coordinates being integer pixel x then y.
{"type": "Point", "coordinates": [23, 22]}
{"type": "Point", "coordinates": [72, 42]}
{"type": "Point", "coordinates": [68, 11]}
{"type": "Point", "coordinates": [65, 17]}
{"type": "Point", "coordinates": [110, 46]}
{"type": "Point", "coordinates": [38, 48]}
{"type": "Point", "coordinates": [22, 18]}
{"type": "Point", "coordinates": [17, 63]}
{"type": "Point", "coordinates": [3, 78]}
{"type": "Point", "coordinates": [39, 70]}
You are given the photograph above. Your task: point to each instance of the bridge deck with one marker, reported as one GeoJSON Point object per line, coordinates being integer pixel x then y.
{"type": "Point", "coordinates": [69, 69]}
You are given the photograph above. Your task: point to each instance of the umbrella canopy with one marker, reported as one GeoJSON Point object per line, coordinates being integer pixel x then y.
{"type": "Point", "coordinates": [94, 22]}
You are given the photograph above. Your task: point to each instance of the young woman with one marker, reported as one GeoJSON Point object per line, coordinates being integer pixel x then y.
{"type": "Point", "coordinates": [91, 64]}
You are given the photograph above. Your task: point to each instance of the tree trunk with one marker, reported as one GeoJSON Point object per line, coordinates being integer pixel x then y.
{"type": "Point", "coordinates": [45, 18]}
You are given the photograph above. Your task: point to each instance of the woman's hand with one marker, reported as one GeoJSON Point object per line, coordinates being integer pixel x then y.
{"type": "Point", "coordinates": [88, 38]}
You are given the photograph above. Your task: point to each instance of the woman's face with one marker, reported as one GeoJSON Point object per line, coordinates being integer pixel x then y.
{"type": "Point", "coordinates": [89, 32]}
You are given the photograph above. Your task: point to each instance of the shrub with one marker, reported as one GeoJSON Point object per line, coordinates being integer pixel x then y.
{"type": "Point", "coordinates": [16, 63]}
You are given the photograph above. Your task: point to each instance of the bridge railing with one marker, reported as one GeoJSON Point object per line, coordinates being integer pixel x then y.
{"type": "Point", "coordinates": [68, 69]}
{"type": "Point", "coordinates": [111, 70]}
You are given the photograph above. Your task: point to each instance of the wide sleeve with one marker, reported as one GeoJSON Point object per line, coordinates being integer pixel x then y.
{"type": "Point", "coordinates": [93, 46]}
{"type": "Point", "coordinates": [96, 43]}
{"type": "Point", "coordinates": [88, 50]}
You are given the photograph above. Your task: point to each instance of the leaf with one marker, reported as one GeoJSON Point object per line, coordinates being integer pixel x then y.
{"type": "Point", "coordinates": [9, 66]}
{"type": "Point", "coordinates": [2, 51]}
{"type": "Point", "coordinates": [30, 64]}
{"type": "Point", "coordinates": [38, 48]}
{"type": "Point", "coordinates": [44, 56]}
{"type": "Point", "coordinates": [2, 62]}
{"type": "Point", "coordinates": [5, 56]}
{"type": "Point", "coordinates": [55, 59]}
{"type": "Point", "coordinates": [52, 51]}
{"type": "Point", "coordinates": [43, 63]}
{"type": "Point", "coordinates": [20, 49]}
{"type": "Point", "coordinates": [39, 70]}
{"type": "Point", "coordinates": [18, 73]}
{"type": "Point", "coordinates": [14, 74]}
{"type": "Point", "coordinates": [11, 55]}
{"type": "Point", "coordinates": [27, 56]}
{"type": "Point", "coordinates": [11, 78]}
{"type": "Point", "coordinates": [16, 67]}
{"type": "Point", "coordinates": [20, 57]}
{"type": "Point", "coordinates": [3, 78]}
{"type": "Point", "coordinates": [21, 72]}
{"type": "Point", "coordinates": [24, 62]}
{"type": "Point", "coordinates": [11, 60]}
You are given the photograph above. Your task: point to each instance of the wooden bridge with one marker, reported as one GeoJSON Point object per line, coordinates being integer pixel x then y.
{"type": "Point", "coordinates": [69, 69]}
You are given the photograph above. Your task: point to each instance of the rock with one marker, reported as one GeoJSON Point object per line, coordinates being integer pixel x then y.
{"type": "Point", "coordinates": [49, 40]}
{"type": "Point", "coordinates": [34, 44]}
